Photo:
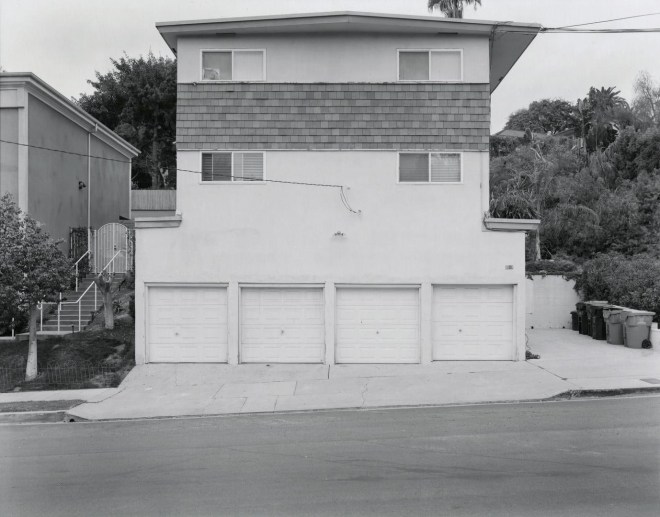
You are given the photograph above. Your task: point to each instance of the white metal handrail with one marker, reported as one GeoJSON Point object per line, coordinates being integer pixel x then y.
{"type": "Point", "coordinates": [88, 252]}
{"type": "Point", "coordinates": [111, 261]}
{"type": "Point", "coordinates": [78, 301]}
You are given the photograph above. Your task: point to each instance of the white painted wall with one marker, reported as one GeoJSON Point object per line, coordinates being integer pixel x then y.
{"type": "Point", "coordinates": [335, 58]}
{"type": "Point", "coordinates": [550, 300]}
{"type": "Point", "coordinates": [273, 233]}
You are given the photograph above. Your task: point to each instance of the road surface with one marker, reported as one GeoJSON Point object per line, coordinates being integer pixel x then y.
{"type": "Point", "coordinates": [575, 458]}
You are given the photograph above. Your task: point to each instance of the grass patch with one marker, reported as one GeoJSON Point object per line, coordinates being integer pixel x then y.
{"type": "Point", "coordinates": [39, 405]}
{"type": "Point", "coordinates": [93, 358]}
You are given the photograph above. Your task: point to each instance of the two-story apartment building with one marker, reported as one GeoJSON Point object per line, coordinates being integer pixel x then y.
{"type": "Point", "coordinates": [332, 190]}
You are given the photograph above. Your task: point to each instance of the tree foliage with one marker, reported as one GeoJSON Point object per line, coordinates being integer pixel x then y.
{"type": "Point", "coordinates": [543, 116]}
{"type": "Point", "coordinates": [32, 269]}
{"type": "Point", "coordinates": [646, 102]}
{"type": "Point", "coordinates": [137, 100]}
{"type": "Point", "coordinates": [607, 201]}
{"type": "Point", "coordinates": [627, 281]}
{"type": "Point", "coordinates": [451, 8]}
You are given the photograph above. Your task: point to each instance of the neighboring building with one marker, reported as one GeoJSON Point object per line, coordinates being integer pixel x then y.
{"type": "Point", "coordinates": [48, 173]}
{"type": "Point", "coordinates": [396, 267]}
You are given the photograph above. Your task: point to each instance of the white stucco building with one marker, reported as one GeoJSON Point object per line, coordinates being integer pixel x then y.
{"type": "Point", "coordinates": [332, 186]}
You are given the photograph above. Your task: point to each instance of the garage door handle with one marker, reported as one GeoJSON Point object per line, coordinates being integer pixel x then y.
{"type": "Point", "coordinates": [378, 332]}
{"type": "Point", "coordinates": [282, 331]}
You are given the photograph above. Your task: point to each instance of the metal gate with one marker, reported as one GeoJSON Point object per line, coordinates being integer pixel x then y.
{"type": "Point", "coordinates": [113, 247]}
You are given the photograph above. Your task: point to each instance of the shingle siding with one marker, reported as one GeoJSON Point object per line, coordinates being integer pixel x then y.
{"type": "Point", "coordinates": [332, 116]}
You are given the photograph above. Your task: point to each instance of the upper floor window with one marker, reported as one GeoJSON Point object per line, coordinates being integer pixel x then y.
{"type": "Point", "coordinates": [233, 65]}
{"type": "Point", "coordinates": [233, 166]}
{"type": "Point", "coordinates": [431, 65]}
{"type": "Point", "coordinates": [430, 168]}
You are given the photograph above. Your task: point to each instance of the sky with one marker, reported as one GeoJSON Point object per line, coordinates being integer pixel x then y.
{"type": "Point", "coordinates": [66, 41]}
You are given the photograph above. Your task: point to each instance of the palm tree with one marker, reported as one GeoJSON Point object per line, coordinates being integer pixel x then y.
{"type": "Point", "coordinates": [451, 8]}
{"type": "Point", "coordinates": [598, 115]}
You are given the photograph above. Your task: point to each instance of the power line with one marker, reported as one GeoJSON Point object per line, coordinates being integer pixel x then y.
{"type": "Point", "coordinates": [228, 176]}
{"type": "Point", "coordinates": [83, 155]}
{"type": "Point", "coordinates": [598, 31]}
{"type": "Point", "coordinates": [611, 20]}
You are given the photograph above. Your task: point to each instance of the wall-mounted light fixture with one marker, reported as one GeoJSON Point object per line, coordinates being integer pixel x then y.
{"type": "Point", "coordinates": [339, 234]}
{"type": "Point", "coordinates": [81, 185]}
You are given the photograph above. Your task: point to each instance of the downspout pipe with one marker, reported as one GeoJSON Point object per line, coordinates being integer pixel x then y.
{"type": "Point", "coordinates": [94, 129]}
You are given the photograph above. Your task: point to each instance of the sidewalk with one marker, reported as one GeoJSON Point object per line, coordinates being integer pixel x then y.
{"type": "Point", "coordinates": [569, 362]}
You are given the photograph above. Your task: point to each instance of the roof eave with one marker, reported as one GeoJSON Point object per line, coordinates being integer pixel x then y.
{"type": "Point", "coordinates": [45, 92]}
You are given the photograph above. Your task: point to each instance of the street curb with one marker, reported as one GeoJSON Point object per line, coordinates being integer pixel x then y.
{"type": "Point", "coordinates": [563, 396]}
{"type": "Point", "coordinates": [607, 392]}
{"type": "Point", "coordinates": [32, 417]}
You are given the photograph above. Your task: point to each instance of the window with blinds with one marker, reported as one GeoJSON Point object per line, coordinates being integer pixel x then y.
{"type": "Point", "coordinates": [233, 166]}
{"type": "Point", "coordinates": [430, 168]}
{"type": "Point", "coordinates": [441, 65]}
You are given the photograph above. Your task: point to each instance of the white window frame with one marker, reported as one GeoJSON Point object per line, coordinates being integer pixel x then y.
{"type": "Point", "coordinates": [233, 51]}
{"type": "Point", "coordinates": [232, 181]}
{"type": "Point", "coordinates": [428, 182]}
{"type": "Point", "coordinates": [399, 51]}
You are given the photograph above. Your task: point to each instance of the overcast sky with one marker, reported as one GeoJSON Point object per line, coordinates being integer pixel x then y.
{"type": "Point", "coordinates": [66, 41]}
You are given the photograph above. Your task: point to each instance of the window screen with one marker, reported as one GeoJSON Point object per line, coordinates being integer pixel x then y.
{"type": "Point", "coordinates": [445, 168]}
{"type": "Point", "coordinates": [413, 167]}
{"type": "Point", "coordinates": [216, 66]}
{"type": "Point", "coordinates": [248, 166]}
{"type": "Point", "coordinates": [446, 66]}
{"type": "Point", "coordinates": [249, 66]}
{"type": "Point", "coordinates": [413, 66]}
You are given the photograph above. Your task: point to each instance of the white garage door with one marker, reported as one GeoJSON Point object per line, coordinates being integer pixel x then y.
{"type": "Point", "coordinates": [282, 325]}
{"type": "Point", "coordinates": [187, 325]}
{"type": "Point", "coordinates": [473, 323]}
{"type": "Point", "coordinates": [377, 325]}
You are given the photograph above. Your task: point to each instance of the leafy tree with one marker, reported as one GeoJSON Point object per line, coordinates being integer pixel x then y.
{"type": "Point", "coordinates": [646, 102]}
{"type": "Point", "coordinates": [32, 269]}
{"type": "Point", "coordinates": [543, 116]}
{"type": "Point", "coordinates": [451, 8]}
{"type": "Point", "coordinates": [137, 100]}
{"type": "Point", "coordinates": [635, 152]}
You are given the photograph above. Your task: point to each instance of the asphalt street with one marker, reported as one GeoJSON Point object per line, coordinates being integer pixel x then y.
{"type": "Point", "coordinates": [574, 458]}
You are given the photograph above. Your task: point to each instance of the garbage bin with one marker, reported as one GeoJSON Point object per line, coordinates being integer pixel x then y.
{"type": "Point", "coordinates": [575, 323]}
{"type": "Point", "coordinates": [595, 325]}
{"type": "Point", "coordinates": [615, 317]}
{"type": "Point", "coordinates": [582, 317]}
{"type": "Point", "coordinates": [637, 328]}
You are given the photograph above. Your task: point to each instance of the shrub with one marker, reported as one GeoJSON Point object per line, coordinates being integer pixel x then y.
{"type": "Point", "coordinates": [628, 281]}
{"type": "Point", "coordinates": [131, 306]}
{"type": "Point", "coordinates": [566, 268]}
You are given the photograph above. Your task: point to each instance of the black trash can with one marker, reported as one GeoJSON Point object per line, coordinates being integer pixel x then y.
{"type": "Point", "coordinates": [575, 322]}
{"type": "Point", "coordinates": [582, 317]}
{"type": "Point", "coordinates": [590, 307]}
{"type": "Point", "coordinates": [598, 327]}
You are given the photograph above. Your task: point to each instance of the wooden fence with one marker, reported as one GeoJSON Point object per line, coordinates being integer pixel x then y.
{"type": "Point", "coordinates": [153, 200]}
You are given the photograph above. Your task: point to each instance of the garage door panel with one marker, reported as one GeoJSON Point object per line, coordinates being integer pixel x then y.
{"type": "Point", "coordinates": [284, 325]}
{"type": "Point", "coordinates": [187, 324]}
{"type": "Point", "coordinates": [472, 323]}
{"type": "Point", "coordinates": [377, 325]}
